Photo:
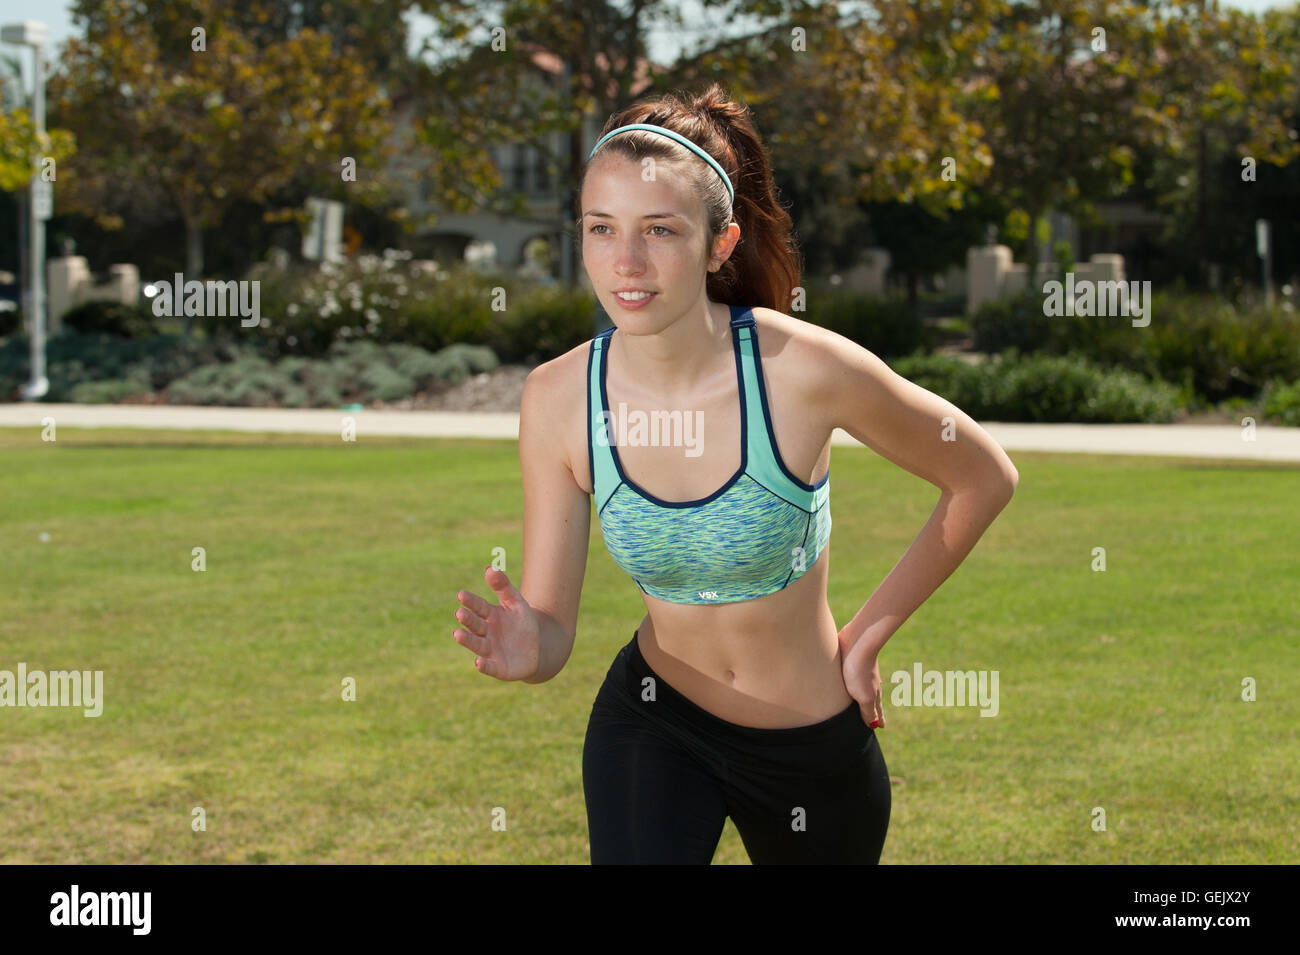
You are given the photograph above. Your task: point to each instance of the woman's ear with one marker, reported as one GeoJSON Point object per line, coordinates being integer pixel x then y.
{"type": "Point", "coordinates": [723, 246]}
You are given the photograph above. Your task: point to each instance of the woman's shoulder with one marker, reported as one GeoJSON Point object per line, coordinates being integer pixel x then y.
{"type": "Point", "coordinates": [554, 399]}
{"type": "Point", "coordinates": [799, 341]}
{"type": "Point", "coordinates": [562, 380]}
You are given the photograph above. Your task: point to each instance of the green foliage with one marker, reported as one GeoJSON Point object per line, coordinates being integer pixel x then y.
{"type": "Point", "coordinates": [21, 149]}
{"type": "Point", "coordinates": [1063, 255]}
{"type": "Point", "coordinates": [391, 299]}
{"type": "Point", "coordinates": [362, 371]}
{"type": "Point", "coordinates": [455, 363]}
{"type": "Point", "coordinates": [1012, 322]}
{"type": "Point", "coordinates": [1281, 402]}
{"type": "Point", "coordinates": [1205, 344]}
{"type": "Point", "coordinates": [75, 359]}
{"type": "Point", "coordinates": [1224, 351]}
{"type": "Point", "coordinates": [112, 318]}
{"type": "Point", "coordinates": [887, 326]}
{"type": "Point", "coordinates": [110, 390]}
{"type": "Point", "coordinates": [1042, 388]}
{"type": "Point", "coordinates": [244, 119]}
{"type": "Point", "coordinates": [546, 322]}
{"type": "Point", "coordinates": [101, 368]}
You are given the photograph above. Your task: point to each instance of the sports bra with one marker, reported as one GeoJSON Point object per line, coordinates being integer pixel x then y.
{"type": "Point", "coordinates": [754, 535]}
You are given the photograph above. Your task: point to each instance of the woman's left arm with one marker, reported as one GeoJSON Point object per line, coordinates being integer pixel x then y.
{"type": "Point", "coordinates": [933, 439]}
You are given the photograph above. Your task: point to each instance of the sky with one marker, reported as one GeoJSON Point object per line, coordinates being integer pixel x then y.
{"type": "Point", "coordinates": [663, 42]}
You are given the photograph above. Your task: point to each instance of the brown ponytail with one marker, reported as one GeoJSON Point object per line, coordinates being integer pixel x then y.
{"type": "Point", "coordinates": [764, 268]}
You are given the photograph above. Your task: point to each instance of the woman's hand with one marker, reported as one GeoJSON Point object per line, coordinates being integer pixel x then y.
{"type": "Point", "coordinates": [862, 680]}
{"type": "Point", "coordinates": [505, 639]}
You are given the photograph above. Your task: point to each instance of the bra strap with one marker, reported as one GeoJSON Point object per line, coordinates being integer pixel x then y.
{"type": "Point", "coordinates": [604, 473]}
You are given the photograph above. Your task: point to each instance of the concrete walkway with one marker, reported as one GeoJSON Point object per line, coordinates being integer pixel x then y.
{"type": "Point", "coordinates": [1198, 441]}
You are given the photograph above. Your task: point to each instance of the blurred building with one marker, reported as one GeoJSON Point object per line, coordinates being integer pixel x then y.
{"type": "Point", "coordinates": [540, 172]}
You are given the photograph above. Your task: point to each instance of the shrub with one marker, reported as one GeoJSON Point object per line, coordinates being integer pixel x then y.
{"type": "Point", "coordinates": [415, 363]}
{"type": "Point", "coordinates": [248, 381]}
{"type": "Point", "coordinates": [307, 309]}
{"type": "Point", "coordinates": [1205, 344]}
{"type": "Point", "coordinates": [393, 299]}
{"type": "Point", "coordinates": [74, 358]}
{"type": "Point", "coordinates": [1281, 401]}
{"type": "Point", "coordinates": [455, 363]}
{"type": "Point", "coordinates": [111, 318]}
{"type": "Point", "coordinates": [108, 391]}
{"type": "Point", "coordinates": [361, 371]}
{"type": "Point", "coordinates": [544, 323]}
{"type": "Point", "coordinates": [1039, 388]}
{"type": "Point", "coordinates": [888, 326]}
{"type": "Point", "coordinates": [1014, 322]}
{"type": "Point", "coordinates": [385, 383]}
{"type": "Point", "coordinates": [1223, 351]}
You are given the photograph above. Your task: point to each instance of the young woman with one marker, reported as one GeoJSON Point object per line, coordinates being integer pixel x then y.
{"type": "Point", "coordinates": [737, 695]}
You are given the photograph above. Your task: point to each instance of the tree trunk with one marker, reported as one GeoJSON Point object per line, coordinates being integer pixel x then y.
{"type": "Point", "coordinates": [193, 259]}
{"type": "Point", "coordinates": [1031, 280]}
{"type": "Point", "coordinates": [1202, 212]}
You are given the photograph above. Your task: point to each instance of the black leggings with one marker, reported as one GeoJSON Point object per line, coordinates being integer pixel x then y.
{"type": "Point", "coordinates": [661, 775]}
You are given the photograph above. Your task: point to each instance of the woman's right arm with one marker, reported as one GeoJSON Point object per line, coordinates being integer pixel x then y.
{"type": "Point", "coordinates": [557, 517]}
{"type": "Point", "coordinates": [529, 634]}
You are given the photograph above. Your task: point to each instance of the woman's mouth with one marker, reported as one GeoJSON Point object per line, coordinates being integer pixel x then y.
{"type": "Point", "coordinates": [634, 299]}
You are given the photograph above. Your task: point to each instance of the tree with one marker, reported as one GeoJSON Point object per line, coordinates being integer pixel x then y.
{"type": "Point", "coordinates": [21, 150]}
{"type": "Point", "coordinates": [871, 125]}
{"type": "Point", "coordinates": [203, 117]}
{"type": "Point", "coordinates": [1228, 92]}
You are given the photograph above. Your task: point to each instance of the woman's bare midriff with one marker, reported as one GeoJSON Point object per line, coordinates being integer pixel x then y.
{"type": "Point", "coordinates": [764, 663]}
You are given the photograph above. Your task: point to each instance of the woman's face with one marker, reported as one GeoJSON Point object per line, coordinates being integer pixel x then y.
{"type": "Point", "coordinates": [645, 235]}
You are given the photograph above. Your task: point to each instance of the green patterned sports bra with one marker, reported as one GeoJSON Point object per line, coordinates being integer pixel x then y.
{"type": "Point", "coordinates": [754, 535]}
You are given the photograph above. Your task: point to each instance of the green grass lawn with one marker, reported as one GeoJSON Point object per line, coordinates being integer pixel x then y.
{"type": "Point", "coordinates": [328, 560]}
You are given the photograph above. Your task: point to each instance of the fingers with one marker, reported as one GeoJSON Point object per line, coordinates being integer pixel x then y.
{"type": "Point", "coordinates": [472, 634]}
{"type": "Point", "coordinates": [471, 621]}
{"type": "Point", "coordinates": [479, 646]}
{"type": "Point", "coordinates": [473, 602]}
{"type": "Point", "coordinates": [874, 715]}
{"type": "Point", "coordinates": [470, 641]}
{"type": "Point", "coordinates": [500, 584]}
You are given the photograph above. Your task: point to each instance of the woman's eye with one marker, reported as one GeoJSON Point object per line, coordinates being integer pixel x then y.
{"type": "Point", "coordinates": [667, 231]}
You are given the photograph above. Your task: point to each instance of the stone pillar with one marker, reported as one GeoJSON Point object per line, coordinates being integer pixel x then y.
{"type": "Point", "coordinates": [64, 279]}
{"type": "Point", "coordinates": [1107, 267]}
{"type": "Point", "coordinates": [871, 274]}
{"type": "Point", "coordinates": [986, 268]}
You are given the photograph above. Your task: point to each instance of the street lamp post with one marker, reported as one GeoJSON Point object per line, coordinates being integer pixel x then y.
{"type": "Point", "coordinates": [34, 34]}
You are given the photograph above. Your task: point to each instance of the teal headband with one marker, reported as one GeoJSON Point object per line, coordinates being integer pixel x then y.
{"type": "Point", "coordinates": [671, 135]}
